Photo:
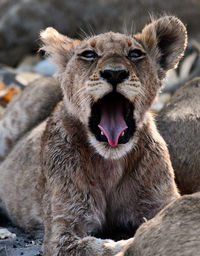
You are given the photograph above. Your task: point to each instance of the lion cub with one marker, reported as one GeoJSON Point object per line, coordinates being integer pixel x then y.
{"type": "Point", "coordinates": [174, 231]}
{"type": "Point", "coordinates": [104, 167]}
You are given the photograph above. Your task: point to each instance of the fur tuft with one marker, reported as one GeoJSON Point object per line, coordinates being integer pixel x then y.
{"type": "Point", "coordinates": [57, 46]}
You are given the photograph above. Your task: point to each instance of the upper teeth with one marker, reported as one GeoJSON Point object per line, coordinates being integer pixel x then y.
{"type": "Point", "coordinates": [122, 134]}
{"type": "Point", "coordinates": [102, 133]}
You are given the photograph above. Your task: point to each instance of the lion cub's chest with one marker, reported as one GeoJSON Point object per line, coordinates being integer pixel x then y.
{"type": "Point", "coordinates": [115, 201]}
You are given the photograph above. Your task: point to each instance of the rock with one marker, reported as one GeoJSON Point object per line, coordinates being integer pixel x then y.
{"type": "Point", "coordinates": [7, 88]}
{"type": "Point", "coordinates": [12, 81]}
{"type": "Point", "coordinates": [23, 244]}
{"type": "Point", "coordinates": [160, 102]}
{"type": "Point", "coordinates": [45, 67]}
{"type": "Point", "coordinates": [179, 124]}
{"type": "Point", "coordinates": [30, 251]}
{"type": "Point", "coordinates": [26, 78]}
{"type": "Point", "coordinates": [18, 38]}
{"type": "Point", "coordinates": [7, 95]}
{"type": "Point", "coordinates": [27, 64]}
{"type": "Point", "coordinates": [5, 5]}
{"type": "Point", "coordinates": [174, 231]}
{"type": "Point", "coordinates": [5, 233]}
{"type": "Point", "coordinates": [171, 79]}
{"type": "Point", "coordinates": [8, 77]}
{"type": "Point", "coordinates": [14, 77]}
{"type": "Point", "coordinates": [32, 66]}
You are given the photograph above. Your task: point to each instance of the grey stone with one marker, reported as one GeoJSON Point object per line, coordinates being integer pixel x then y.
{"type": "Point", "coordinates": [28, 62]}
{"type": "Point", "coordinates": [44, 67]}
{"type": "Point", "coordinates": [22, 20]}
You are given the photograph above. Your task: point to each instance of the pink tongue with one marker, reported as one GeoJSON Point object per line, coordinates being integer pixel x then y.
{"type": "Point", "coordinates": [112, 122]}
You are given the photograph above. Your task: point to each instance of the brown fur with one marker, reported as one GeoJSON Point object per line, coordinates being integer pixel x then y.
{"type": "Point", "coordinates": [27, 110]}
{"type": "Point", "coordinates": [179, 124]}
{"type": "Point", "coordinates": [174, 231]}
{"type": "Point", "coordinates": [84, 188]}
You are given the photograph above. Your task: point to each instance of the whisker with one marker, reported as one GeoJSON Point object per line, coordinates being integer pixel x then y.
{"type": "Point", "coordinates": [85, 100]}
{"type": "Point", "coordinates": [142, 92]}
{"type": "Point", "coordinates": [77, 99]}
{"type": "Point", "coordinates": [81, 99]}
{"type": "Point", "coordinates": [133, 29]}
{"type": "Point", "coordinates": [79, 91]}
{"type": "Point", "coordinates": [91, 30]}
{"type": "Point", "coordinates": [125, 29]}
{"type": "Point", "coordinates": [82, 95]}
{"type": "Point", "coordinates": [84, 33]}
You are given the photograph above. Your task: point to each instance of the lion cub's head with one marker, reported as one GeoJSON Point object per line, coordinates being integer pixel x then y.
{"type": "Point", "coordinates": [110, 80]}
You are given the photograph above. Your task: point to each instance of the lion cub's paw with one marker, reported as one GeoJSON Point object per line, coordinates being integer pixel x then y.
{"type": "Point", "coordinates": [116, 247]}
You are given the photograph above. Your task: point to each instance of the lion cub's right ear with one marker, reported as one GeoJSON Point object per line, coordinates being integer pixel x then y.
{"type": "Point", "coordinates": [57, 46]}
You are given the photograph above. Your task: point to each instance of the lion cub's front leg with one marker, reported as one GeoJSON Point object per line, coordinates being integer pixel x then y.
{"type": "Point", "coordinates": [69, 220]}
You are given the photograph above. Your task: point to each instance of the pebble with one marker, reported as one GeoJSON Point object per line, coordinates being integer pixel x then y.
{"type": "Point", "coordinates": [12, 77]}
{"type": "Point", "coordinates": [26, 77]}
{"type": "Point", "coordinates": [4, 234]}
{"type": "Point", "coordinates": [45, 67]}
{"type": "Point", "coordinates": [34, 64]}
{"type": "Point", "coordinates": [28, 63]}
{"type": "Point", "coordinates": [171, 78]}
{"type": "Point", "coordinates": [160, 102]}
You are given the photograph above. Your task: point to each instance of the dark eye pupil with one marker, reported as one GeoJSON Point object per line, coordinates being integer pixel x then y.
{"type": "Point", "coordinates": [135, 53]}
{"type": "Point", "coordinates": [89, 54]}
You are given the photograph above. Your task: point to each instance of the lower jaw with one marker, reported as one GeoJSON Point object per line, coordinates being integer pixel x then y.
{"type": "Point", "coordinates": [111, 153]}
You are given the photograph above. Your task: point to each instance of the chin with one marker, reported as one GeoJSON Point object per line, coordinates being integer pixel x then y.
{"type": "Point", "coordinates": [112, 153]}
{"type": "Point", "coordinates": [112, 126]}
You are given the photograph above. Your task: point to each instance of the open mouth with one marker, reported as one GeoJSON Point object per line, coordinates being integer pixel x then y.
{"type": "Point", "coordinates": [112, 119]}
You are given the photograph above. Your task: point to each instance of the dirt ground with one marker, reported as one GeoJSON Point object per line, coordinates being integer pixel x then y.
{"type": "Point", "coordinates": [24, 244]}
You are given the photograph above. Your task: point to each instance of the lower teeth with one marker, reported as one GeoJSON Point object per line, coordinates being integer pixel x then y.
{"type": "Point", "coordinates": [122, 134]}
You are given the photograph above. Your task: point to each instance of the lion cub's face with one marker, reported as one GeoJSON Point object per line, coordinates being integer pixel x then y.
{"type": "Point", "coordinates": [110, 80]}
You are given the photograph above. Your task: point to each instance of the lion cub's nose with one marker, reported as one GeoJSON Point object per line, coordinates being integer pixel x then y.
{"type": "Point", "coordinates": [114, 77]}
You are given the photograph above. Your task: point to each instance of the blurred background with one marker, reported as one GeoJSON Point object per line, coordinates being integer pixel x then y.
{"type": "Point", "coordinates": [22, 20]}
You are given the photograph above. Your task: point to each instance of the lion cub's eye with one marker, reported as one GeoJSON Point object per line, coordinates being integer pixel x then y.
{"type": "Point", "coordinates": [135, 54]}
{"type": "Point", "coordinates": [90, 55]}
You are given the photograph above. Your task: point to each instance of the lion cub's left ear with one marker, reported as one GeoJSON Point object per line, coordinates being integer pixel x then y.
{"type": "Point", "coordinates": [57, 46]}
{"type": "Point", "coordinates": [165, 39]}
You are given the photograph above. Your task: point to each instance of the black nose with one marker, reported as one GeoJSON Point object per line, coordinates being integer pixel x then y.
{"type": "Point", "coordinates": [114, 77]}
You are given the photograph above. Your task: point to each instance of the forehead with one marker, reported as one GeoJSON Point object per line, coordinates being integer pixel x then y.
{"type": "Point", "coordinates": [110, 41]}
